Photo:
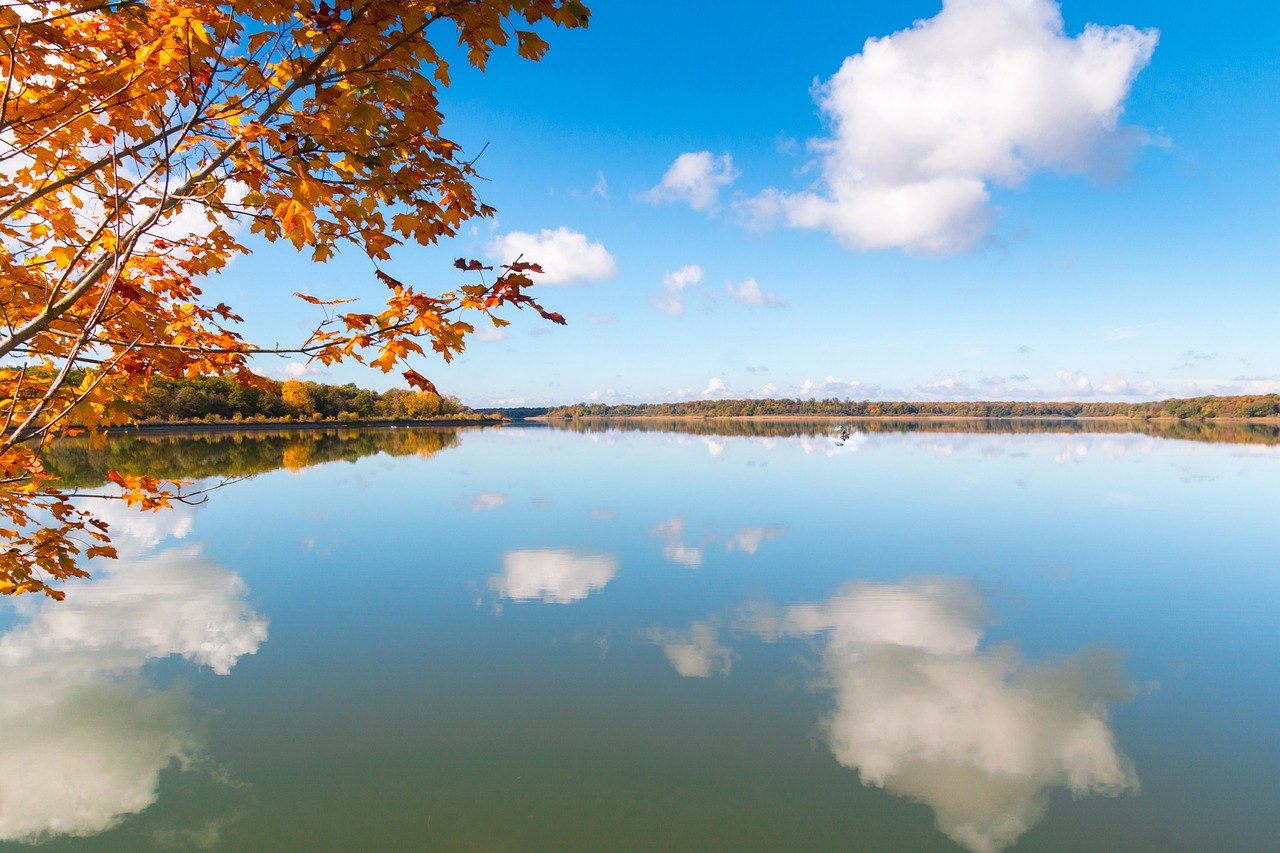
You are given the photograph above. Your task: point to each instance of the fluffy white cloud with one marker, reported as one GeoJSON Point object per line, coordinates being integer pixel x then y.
{"type": "Point", "coordinates": [683, 277]}
{"type": "Point", "coordinates": [749, 293]}
{"type": "Point", "coordinates": [715, 387]}
{"type": "Point", "coordinates": [671, 299]}
{"type": "Point", "coordinates": [86, 737]}
{"type": "Point", "coordinates": [695, 653]}
{"type": "Point", "coordinates": [980, 737]}
{"type": "Point", "coordinates": [695, 178]}
{"type": "Point", "coordinates": [556, 576]}
{"type": "Point", "coordinates": [926, 119]}
{"type": "Point", "coordinates": [1074, 383]}
{"type": "Point", "coordinates": [565, 256]}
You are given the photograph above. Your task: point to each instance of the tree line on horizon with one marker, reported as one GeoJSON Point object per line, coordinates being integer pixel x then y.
{"type": "Point", "coordinates": [222, 398]}
{"type": "Point", "coordinates": [1253, 406]}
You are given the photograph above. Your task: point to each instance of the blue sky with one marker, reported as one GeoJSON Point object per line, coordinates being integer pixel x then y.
{"type": "Point", "coordinates": [982, 199]}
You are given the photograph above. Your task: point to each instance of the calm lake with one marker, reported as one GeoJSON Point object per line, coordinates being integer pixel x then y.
{"type": "Point", "coordinates": [742, 636]}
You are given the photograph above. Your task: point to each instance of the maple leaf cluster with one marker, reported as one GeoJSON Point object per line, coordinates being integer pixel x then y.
{"type": "Point", "coordinates": [137, 139]}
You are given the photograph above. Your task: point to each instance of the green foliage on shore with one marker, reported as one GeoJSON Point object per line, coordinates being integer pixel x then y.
{"type": "Point", "coordinates": [1260, 406]}
{"type": "Point", "coordinates": [214, 398]}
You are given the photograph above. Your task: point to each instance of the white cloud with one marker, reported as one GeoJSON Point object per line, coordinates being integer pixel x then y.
{"type": "Point", "coordinates": [565, 256]}
{"type": "Point", "coordinates": [1075, 383]}
{"type": "Point", "coordinates": [979, 736]}
{"type": "Point", "coordinates": [683, 277]}
{"type": "Point", "coordinates": [833, 386]}
{"type": "Point", "coordinates": [694, 178]}
{"type": "Point", "coordinates": [671, 299]}
{"type": "Point", "coordinates": [927, 119]}
{"type": "Point", "coordinates": [749, 539]}
{"type": "Point", "coordinates": [86, 737]}
{"type": "Point", "coordinates": [1118, 386]}
{"type": "Point", "coordinates": [674, 548]}
{"type": "Point", "coordinates": [715, 387]}
{"type": "Point", "coordinates": [749, 293]}
{"type": "Point", "coordinates": [695, 653]}
{"type": "Point", "coordinates": [556, 576]}
{"type": "Point", "coordinates": [1248, 385]}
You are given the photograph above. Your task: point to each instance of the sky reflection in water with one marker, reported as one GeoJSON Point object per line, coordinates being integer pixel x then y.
{"type": "Point", "coordinates": [947, 612]}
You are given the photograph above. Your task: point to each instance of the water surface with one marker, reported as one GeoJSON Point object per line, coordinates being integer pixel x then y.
{"type": "Point", "coordinates": [1037, 638]}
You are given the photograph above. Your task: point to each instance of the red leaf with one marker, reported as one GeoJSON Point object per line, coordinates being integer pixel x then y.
{"type": "Point", "coordinates": [388, 280]}
{"type": "Point", "coordinates": [417, 380]}
{"type": "Point", "coordinates": [128, 291]}
{"type": "Point", "coordinates": [225, 310]}
{"type": "Point", "coordinates": [315, 301]}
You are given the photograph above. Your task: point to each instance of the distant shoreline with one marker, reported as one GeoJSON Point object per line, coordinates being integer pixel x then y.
{"type": "Point", "coordinates": [1267, 419]}
{"type": "Point", "coordinates": [176, 427]}
{"type": "Point", "coordinates": [269, 426]}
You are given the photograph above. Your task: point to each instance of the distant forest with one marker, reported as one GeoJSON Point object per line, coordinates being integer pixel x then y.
{"type": "Point", "coordinates": [1197, 407]}
{"type": "Point", "coordinates": [217, 398]}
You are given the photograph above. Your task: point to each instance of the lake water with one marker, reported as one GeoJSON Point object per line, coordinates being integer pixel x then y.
{"type": "Point", "coordinates": [732, 637]}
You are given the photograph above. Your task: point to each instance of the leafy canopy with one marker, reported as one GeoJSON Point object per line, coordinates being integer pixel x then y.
{"type": "Point", "coordinates": [138, 138]}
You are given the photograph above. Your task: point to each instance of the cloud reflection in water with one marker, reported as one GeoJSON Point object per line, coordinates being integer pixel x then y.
{"type": "Point", "coordinates": [85, 736]}
{"type": "Point", "coordinates": [556, 576]}
{"type": "Point", "coordinates": [674, 548]}
{"type": "Point", "coordinates": [695, 653]}
{"type": "Point", "coordinates": [978, 735]}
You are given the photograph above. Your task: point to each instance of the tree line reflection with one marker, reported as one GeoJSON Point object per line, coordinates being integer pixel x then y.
{"type": "Point", "coordinates": [1231, 432]}
{"type": "Point", "coordinates": [83, 464]}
